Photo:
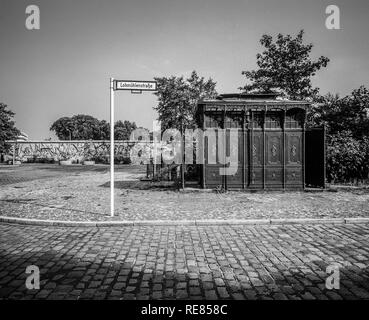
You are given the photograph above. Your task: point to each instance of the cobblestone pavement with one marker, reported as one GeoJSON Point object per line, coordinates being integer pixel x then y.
{"type": "Point", "coordinates": [83, 194]}
{"type": "Point", "coordinates": [184, 262]}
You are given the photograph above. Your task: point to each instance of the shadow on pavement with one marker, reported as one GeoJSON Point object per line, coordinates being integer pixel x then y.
{"type": "Point", "coordinates": [95, 264]}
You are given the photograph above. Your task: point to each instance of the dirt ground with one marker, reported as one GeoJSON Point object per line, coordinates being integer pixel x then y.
{"type": "Point", "coordinates": [80, 193]}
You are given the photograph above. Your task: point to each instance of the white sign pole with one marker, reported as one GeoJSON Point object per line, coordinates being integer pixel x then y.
{"type": "Point", "coordinates": [135, 87]}
{"type": "Point", "coordinates": [112, 147]}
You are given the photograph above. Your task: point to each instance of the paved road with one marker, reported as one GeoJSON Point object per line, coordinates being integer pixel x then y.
{"type": "Point", "coordinates": [184, 262]}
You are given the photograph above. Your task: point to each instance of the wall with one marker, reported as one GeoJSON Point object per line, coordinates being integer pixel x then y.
{"type": "Point", "coordinates": [75, 150]}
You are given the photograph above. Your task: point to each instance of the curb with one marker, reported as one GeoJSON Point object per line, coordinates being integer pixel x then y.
{"type": "Point", "coordinates": [232, 222]}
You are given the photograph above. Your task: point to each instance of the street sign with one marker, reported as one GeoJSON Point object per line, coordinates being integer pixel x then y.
{"type": "Point", "coordinates": [135, 85]}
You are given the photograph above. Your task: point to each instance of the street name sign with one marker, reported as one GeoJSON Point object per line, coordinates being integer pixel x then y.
{"type": "Point", "coordinates": [135, 85]}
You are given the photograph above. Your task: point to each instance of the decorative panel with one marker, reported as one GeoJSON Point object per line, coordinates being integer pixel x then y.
{"type": "Point", "coordinates": [212, 176]}
{"type": "Point", "coordinates": [258, 118]}
{"type": "Point", "coordinates": [257, 148]}
{"type": "Point", "coordinates": [293, 148]}
{"type": "Point", "coordinates": [236, 179]}
{"type": "Point", "coordinates": [294, 175]}
{"type": "Point", "coordinates": [210, 149]}
{"type": "Point", "coordinates": [214, 120]}
{"type": "Point", "coordinates": [235, 145]}
{"type": "Point", "coordinates": [273, 176]}
{"type": "Point", "coordinates": [256, 176]}
{"type": "Point", "coordinates": [233, 120]}
{"type": "Point", "coordinates": [294, 119]}
{"type": "Point", "coordinates": [274, 148]}
{"type": "Point", "coordinates": [273, 120]}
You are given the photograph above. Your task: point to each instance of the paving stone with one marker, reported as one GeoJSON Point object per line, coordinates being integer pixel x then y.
{"type": "Point", "coordinates": [211, 295]}
{"type": "Point", "coordinates": [222, 291]}
{"type": "Point", "coordinates": [270, 255]}
{"type": "Point", "coordinates": [181, 294]}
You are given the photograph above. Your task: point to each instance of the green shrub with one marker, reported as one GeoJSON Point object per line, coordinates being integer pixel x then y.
{"type": "Point", "coordinates": [347, 158]}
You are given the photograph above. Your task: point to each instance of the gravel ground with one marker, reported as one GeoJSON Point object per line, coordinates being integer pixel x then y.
{"type": "Point", "coordinates": [83, 194]}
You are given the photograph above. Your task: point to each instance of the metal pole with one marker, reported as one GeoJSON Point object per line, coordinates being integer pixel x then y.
{"type": "Point", "coordinates": [112, 147]}
{"type": "Point", "coordinates": [13, 153]}
{"type": "Point", "coordinates": [154, 157]}
{"type": "Point", "coordinates": [155, 130]}
{"type": "Point", "coordinates": [183, 161]}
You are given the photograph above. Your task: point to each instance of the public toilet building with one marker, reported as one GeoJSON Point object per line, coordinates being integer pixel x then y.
{"type": "Point", "coordinates": [275, 150]}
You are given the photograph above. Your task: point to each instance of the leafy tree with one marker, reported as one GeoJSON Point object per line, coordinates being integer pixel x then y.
{"type": "Point", "coordinates": [356, 112]}
{"type": "Point", "coordinates": [350, 113]}
{"type": "Point", "coordinates": [122, 130]}
{"type": "Point", "coordinates": [8, 131]}
{"type": "Point", "coordinates": [324, 110]}
{"type": "Point", "coordinates": [178, 99]}
{"type": "Point", "coordinates": [347, 123]}
{"type": "Point", "coordinates": [85, 127]}
{"type": "Point", "coordinates": [104, 130]}
{"type": "Point", "coordinates": [63, 128]}
{"type": "Point", "coordinates": [285, 66]}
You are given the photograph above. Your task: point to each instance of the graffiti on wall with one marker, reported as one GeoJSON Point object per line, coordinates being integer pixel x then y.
{"type": "Point", "coordinates": [98, 151]}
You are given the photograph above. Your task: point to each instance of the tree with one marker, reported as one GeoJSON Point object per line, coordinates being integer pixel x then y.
{"type": "Point", "coordinates": [356, 112]}
{"type": "Point", "coordinates": [178, 99]}
{"type": "Point", "coordinates": [63, 128]}
{"type": "Point", "coordinates": [350, 113]}
{"type": "Point", "coordinates": [347, 123]}
{"type": "Point", "coordinates": [85, 127]}
{"type": "Point", "coordinates": [324, 110]}
{"type": "Point", "coordinates": [8, 131]}
{"type": "Point", "coordinates": [285, 66]}
{"type": "Point", "coordinates": [123, 130]}
{"type": "Point", "coordinates": [104, 130]}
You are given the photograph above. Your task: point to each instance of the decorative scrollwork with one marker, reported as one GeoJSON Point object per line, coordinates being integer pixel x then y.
{"type": "Point", "coordinates": [293, 151]}
{"type": "Point", "coordinates": [274, 150]}
{"type": "Point", "coordinates": [254, 150]}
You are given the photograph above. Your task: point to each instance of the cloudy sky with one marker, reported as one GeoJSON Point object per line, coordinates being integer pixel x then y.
{"type": "Point", "coordinates": [64, 68]}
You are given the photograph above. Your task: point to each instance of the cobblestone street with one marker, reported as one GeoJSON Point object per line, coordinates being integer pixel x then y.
{"type": "Point", "coordinates": [184, 262]}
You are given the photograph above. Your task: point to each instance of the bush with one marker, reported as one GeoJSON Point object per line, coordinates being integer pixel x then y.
{"type": "Point", "coordinates": [347, 158]}
{"type": "Point", "coordinates": [122, 160]}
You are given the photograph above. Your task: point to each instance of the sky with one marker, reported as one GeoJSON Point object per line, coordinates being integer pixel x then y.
{"type": "Point", "coordinates": [64, 68]}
